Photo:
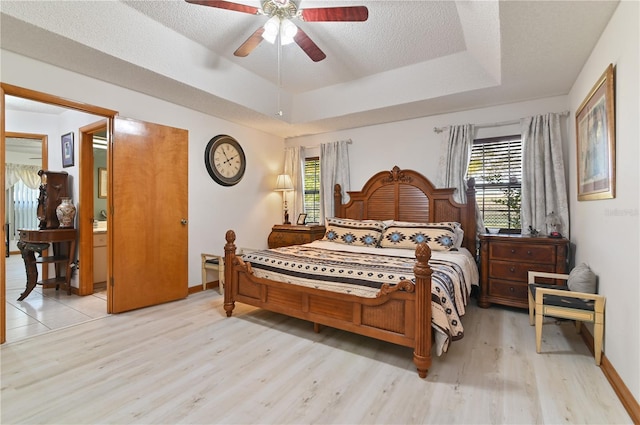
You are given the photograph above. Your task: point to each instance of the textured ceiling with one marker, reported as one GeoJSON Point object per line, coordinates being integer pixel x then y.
{"type": "Point", "coordinates": [409, 59]}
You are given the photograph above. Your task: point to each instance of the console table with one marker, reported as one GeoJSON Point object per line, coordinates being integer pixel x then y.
{"type": "Point", "coordinates": [64, 246]}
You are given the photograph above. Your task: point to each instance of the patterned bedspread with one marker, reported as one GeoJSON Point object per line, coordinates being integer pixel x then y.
{"type": "Point", "coordinates": [361, 271]}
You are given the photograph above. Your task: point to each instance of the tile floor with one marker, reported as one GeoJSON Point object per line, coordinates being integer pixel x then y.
{"type": "Point", "coordinates": [45, 309]}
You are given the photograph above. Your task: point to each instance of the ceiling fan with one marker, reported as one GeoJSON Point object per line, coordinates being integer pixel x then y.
{"type": "Point", "coordinates": [281, 12]}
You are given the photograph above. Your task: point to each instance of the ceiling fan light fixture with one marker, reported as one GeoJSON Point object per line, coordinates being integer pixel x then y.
{"type": "Point", "coordinates": [271, 28]}
{"type": "Point", "coordinates": [288, 30]}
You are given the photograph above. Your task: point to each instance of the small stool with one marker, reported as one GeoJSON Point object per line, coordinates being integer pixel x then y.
{"type": "Point", "coordinates": [215, 263]}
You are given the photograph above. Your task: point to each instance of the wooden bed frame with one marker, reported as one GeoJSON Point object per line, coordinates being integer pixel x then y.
{"type": "Point", "coordinates": [400, 314]}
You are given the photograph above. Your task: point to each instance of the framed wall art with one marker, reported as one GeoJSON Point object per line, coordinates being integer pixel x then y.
{"type": "Point", "coordinates": [595, 138]}
{"type": "Point", "coordinates": [67, 150]}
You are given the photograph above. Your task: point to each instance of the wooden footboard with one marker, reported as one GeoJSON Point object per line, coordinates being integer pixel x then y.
{"type": "Point", "coordinates": [400, 314]}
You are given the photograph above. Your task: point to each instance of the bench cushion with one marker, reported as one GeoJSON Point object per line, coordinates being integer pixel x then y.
{"type": "Point", "coordinates": [560, 301]}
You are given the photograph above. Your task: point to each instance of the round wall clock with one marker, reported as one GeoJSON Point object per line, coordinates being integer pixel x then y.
{"type": "Point", "coordinates": [225, 160]}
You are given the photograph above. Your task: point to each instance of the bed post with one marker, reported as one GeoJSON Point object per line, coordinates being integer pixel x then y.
{"type": "Point", "coordinates": [471, 234]}
{"type": "Point", "coordinates": [229, 255]}
{"type": "Point", "coordinates": [337, 201]}
{"type": "Point", "coordinates": [422, 273]}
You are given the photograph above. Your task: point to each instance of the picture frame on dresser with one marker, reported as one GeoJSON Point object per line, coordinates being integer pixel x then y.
{"type": "Point", "coordinates": [302, 218]}
{"type": "Point", "coordinates": [595, 139]}
{"type": "Point", "coordinates": [67, 150]}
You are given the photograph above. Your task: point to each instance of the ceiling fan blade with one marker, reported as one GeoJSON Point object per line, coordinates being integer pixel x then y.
{"type": "Point", "coordinates": [346, 13]}
{"type": "Point", "coordinates": [227, 5]}
{"type": "Point", "coordinates": [251, 43]}
{"type": "Point", "coordinates": [309, 47]}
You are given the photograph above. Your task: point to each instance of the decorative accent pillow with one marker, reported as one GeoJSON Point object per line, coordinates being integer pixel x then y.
{"type": "Point", "coordinates": [439, 236]}
{"type": "Point", "coordinates": [582, 279]}
{"type": "Point", "coordinates": [354, 232]}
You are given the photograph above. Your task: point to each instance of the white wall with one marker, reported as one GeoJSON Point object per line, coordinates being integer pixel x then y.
{"type": "Point", "coordinates": [414, 145]}
{"type": "Point", "coordinates": [250, 208]}
{"type": "Point", "coordinates": [606, 233]}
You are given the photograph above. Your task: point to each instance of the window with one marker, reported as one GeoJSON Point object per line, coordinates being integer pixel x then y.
{"type": "Point", "coordinates": [23, 214]}
{"type": "Point", "coordinates": [496, 164]}
{"type": "Point", "coordinates": [312, 189]}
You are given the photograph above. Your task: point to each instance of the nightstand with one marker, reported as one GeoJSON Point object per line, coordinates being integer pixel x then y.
{"type": "Point", "coordinates": [505, 261]}
{"type": "Point", "coordinates": [291, 234]}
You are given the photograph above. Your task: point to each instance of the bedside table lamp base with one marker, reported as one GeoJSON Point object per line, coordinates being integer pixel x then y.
{"type": "Point", "coordinates": [286, 214]}
{"type": "Point", "coordinates": [284, 185]}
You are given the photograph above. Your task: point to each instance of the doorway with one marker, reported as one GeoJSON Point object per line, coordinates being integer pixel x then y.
{"type": "Point", "coordinates": [92, 212]}
{"type": "Point", "coordinates": [30, 103]}
{"type": "Point", "coordinates": [141, 240]}
{"type": "Point", "coordinates": [25, 154]}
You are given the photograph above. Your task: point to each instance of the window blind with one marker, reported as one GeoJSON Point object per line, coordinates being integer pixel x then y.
{"type": "Point", "coordinates": [496, 164]}
{"type": "Point", "coordinates": [312, 189]}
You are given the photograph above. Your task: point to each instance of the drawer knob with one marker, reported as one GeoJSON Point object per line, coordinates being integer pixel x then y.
{"type": "Point", "coordinates": [512, 269]}
{"type": "Point", "coordinates": [511, 289]}
{"type": "Point", "coordinates": [513, 251]}
{"type": "Point", "coordinates": [528, 252]}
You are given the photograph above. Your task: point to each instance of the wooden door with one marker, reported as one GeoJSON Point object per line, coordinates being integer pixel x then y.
{"type": "Point", "coordinates": [147, 220]}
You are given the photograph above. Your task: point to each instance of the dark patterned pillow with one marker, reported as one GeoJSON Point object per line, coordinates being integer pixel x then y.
{"type": "Point", "coordinates": [439, 236]}
{"type": "Point", "coordinates": [354, 232]}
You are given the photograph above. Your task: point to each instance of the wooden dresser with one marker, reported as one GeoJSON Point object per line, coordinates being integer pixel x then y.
{"type": "Point", "coordinates": [290, 234]}
{"type": "Point", "coordinates": [505, 261]}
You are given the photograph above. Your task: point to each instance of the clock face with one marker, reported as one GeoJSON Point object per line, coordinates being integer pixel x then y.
{"type": "Point", "coordinates": [225, 160]}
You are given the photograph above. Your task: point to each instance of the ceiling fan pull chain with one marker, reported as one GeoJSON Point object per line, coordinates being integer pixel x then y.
{"type": "Point", "coordinates": [279, 113]}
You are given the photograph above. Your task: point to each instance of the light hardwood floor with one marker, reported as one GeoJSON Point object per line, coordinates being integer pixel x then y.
{"type": "Point", "coordinates": [184, 362]}
{"type": "Point", "coordinates": [44, 309]}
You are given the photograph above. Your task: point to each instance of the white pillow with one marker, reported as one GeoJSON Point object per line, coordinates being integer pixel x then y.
{"type": "Point", "coordinates": [582, 279]}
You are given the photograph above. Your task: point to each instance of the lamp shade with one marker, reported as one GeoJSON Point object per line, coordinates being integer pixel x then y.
{"type": "Point", "coordinates": [283, 183]}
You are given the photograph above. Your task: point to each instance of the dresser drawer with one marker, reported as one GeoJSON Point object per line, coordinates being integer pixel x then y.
{"type": "Point", "coordinates": [505, 289]}
{"type": "Point", "coordinates": [521, 252]}
{"type": "Point", "coordinates": [517, 271]}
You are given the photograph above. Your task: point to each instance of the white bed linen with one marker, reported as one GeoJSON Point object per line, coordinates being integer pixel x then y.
{"type": "Point", "coordinates": [462, 257]}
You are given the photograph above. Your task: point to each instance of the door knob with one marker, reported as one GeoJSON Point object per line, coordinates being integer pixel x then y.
{"type": "Point", "coordinates": [184, 221]}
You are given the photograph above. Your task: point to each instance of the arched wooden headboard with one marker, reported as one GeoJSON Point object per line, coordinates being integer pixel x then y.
{"type": "Point", "coordinates": [406, 195]}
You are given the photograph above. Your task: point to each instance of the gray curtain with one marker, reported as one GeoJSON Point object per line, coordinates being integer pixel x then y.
{"type": "Point", "coordinates": [334, 168]}
{"type": "Point", "coordinates": [454, 163]}
{"type": "Point", "coordinates": [294, 158]}
{"type": "Point", "coordinates": [543, 178]}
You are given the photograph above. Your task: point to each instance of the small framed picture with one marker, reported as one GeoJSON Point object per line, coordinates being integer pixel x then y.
{"type": "Point", "coordinates": [302, 218]}
{"type": "Point", "coordinates": [102, 182]}
{"type": "Point", "coordinates": [67, 150]}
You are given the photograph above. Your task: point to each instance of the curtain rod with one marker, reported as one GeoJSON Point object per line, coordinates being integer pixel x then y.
{"type": "Point", "coordinates": [494, 124]}
{"type": "Point", "coordinates": [349, 142]}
